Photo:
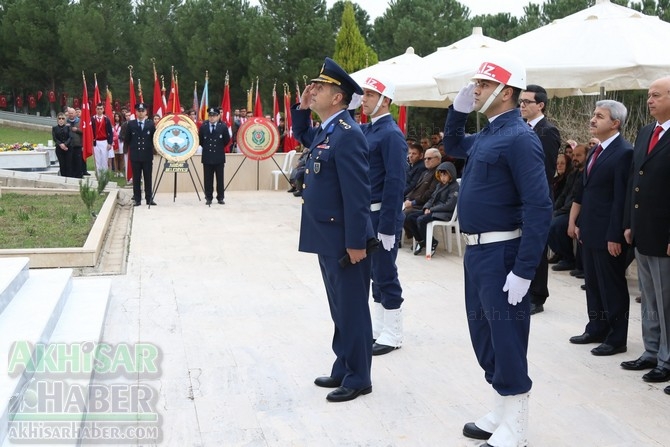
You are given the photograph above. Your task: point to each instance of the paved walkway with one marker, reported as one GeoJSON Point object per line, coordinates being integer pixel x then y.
{"type": "Point", "coordinates": [242, 321]}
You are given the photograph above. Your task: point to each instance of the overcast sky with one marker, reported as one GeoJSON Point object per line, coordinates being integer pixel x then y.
{"type": "Point", "coordinates": [477, 7]}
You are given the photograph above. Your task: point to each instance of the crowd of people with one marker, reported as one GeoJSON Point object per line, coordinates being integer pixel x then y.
{"type": "Point", "coordinates": [526, 199]}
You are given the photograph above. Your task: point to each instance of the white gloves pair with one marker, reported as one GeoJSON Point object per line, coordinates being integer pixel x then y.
{"type": "Point", "coordinates": [516, 288]}
{"type": "Point", "coordinates": [465, 100]}
{"type": "Point", "coordinates": [388, 241]}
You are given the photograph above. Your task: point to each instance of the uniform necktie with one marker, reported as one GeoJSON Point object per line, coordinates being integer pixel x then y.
{"type": "Point", "coordinates": [654, 138]}
{"type": "Point", "coordinates": [597, 152]}
{"type": "Point", "coordinates": [211, 129]}
{"type": "Point", "coordinates": [141, 126]}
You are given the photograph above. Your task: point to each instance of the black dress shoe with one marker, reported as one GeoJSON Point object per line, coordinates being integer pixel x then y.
{"type": "Point", "coordinates": [208, 202]}
{"type": "Point", "coordinates": [580, 275]}
{"type": "Point", "coordinates": [638, 365]}
{"type": "Point", "coordinates": [585, 339]}
{"type": "Point", "coordinates": [378, 349]}
{"type": "Point", "coordinates": [554, 259]}
{"type": "Point", "coordinates": [343, 394]}
{"type": "Point", "coordinates": [327, 382]}
{"type": "Point", "coordinates": [419, 248]}
{"type": "Point", "coordinates": [658, 374]}
{"type": "Point", "coordinates": [536, 308]}
{"type": "Point", "coordinates": [562, 266]}
{"type": "Point", "coordinates": [221, 202]}
{"type": "Point", "coordinates": [137, 203]}
{"type": "Point", "coordinates": [151, 202]}
{"type": "Point", "coordinates": [298, 193]}
{"type": "Point", "coordinates": [605, 349]}
{"type": "Point", "coordinates": [471, 430]}
{"type": "Point", "coordinates": [583, 287]}
{"type": "Point", "coordinates": [292, 189]}
{"type": "Point", "coordinates": [667, 390]}
{"type": "Point", "coordinates": [576, 272]}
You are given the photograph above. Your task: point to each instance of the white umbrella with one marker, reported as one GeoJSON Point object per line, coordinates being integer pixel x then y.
{"type": "Point", "coordinates": [606, 45]}
{"type": "Point", "coordinates": [413, 86]}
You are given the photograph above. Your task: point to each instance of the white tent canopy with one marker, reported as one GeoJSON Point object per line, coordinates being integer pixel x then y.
{"type": "Point", "coordinates": [606, 45]}
{"type": "Point", "coordinates": [413, 86]}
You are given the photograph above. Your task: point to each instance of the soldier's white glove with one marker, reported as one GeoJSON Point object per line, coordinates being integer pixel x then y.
{"type": "Point", "coordinates": [516, 288]}
{"type": "Point", "coordinates": [388, 241]}
{"type": "Point", "coordinates": [465, 100]}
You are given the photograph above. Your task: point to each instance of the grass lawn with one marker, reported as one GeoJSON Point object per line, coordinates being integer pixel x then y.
{"type": "Point", "coordinates": [45, 221]}
{"type": "Point", "coordinates": [10, 135]}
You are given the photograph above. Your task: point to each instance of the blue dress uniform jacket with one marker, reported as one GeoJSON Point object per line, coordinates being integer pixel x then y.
{"type": "Point", "coordinates": [140, 142]}
{"type": "Point", "coordinates": [336, 194]}
{"type": "Point", "coordinates": [504, 186]}
{"type": "Point", "coordinates": [388, 170]}
{"type": "Point", "coordinates": [213, 143]}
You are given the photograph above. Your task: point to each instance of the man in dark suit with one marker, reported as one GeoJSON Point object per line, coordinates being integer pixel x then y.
{"type": "Point", "coordinates": [214, 138]}
{"type": "Point", "coordinates": [532, 103]}
{"type": "Point", "coordinates": [140, 141]}
{"type": "Point", "coordinates": [597, 213]}
{"type": "Point", "coordinates": [336, 223]}
{"type": "Point", "coordinates": [647, 228]}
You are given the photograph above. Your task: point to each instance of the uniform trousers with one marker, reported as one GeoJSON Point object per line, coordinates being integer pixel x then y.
{"type": "Point", "coordinates": [498, 330]}
{"type": "Point", "coordinates": [654, 274]}
{"type": "Point", "coordinates": [141, 170]}
{"type": "Point", "coordinates": [386, 287]}
{"type": "Point", "coordinates": [607, 299]}
{"type": "Point", "coordinates": [348, 290]}
{"type": "Point", "coordinates": [209, 171]}
{"type": "Point", "coordinates": [100, 155]}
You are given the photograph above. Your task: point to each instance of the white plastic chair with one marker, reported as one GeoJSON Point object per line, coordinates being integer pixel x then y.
{"type": "Point", "coordinates": [446, 229]}
{"type": "Point", "coordinates": [286, 168]}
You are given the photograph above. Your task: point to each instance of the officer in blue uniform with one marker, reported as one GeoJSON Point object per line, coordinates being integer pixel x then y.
{"type": "Point", "coordinates": [336, 225]}
{"type": "Point", "coordinates": [140, 142]}
{"type": "Point", "coordinates": [505, 211]}
{"type": "Point", "coordinates": [388, 167]}
{"type": "Point", "coordinates": [214, 138]}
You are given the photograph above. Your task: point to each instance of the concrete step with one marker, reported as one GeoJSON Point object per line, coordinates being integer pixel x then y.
{"type": "Point", "coordinates": [78, 332]}
{"type": "Point", "coordinates": [29, 319]}
{"type": "Point", "coordinates": [13, 273]}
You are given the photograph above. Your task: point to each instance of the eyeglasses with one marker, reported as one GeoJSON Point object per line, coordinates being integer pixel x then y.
{"type": "Point", "coordinates": [525, 102]}
{"type": "Point", "coordinates": [61, 119]}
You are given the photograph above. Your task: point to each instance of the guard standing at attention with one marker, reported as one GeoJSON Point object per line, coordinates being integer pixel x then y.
{"type": "Point", "coordinates": [388, 168]}
{"type": "Point", "coordinates": [504, 210]}
{"type": "Point", "coordinates": [214, 138]}
{"type": "Point", "coordinates": [140, 141]}
{"type": "Point", "coordinates": [336, 225]}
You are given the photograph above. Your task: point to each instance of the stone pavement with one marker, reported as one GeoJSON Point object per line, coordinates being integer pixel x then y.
{"type": "Point", "coordinates": [242, 321]}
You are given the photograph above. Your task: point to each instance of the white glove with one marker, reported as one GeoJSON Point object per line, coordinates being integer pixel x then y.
{"type": "Point", "coordinates": [516, 288]}
{"type": "Point", "coordinates": [388, 241]}
{"type": "Point", "coordinates": [465, 100]}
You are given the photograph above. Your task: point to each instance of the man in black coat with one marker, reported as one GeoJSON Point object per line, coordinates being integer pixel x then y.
{"type": "Point", "coordinates": [214, 138]}
{"type": "Point", "coordinates": [647, 228]}
{"type": "Point", "coordinates": [139, 139]}
{"type": "Point", "coordinates": [599, 228]}
{"type": "Point", "coordinates": [533, 102]}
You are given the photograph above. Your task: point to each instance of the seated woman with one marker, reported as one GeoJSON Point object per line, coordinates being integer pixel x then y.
{"type": "Point", "coordinates": [440, 206]}
{"type": "Point", "coordinates": [563, 168]}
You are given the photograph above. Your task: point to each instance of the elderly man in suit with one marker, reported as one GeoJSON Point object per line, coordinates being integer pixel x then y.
{"type": "Point", "coordinates": [596, 217]}
{"type": "Point", "coordinates": [532, 104]}
{"type": "Point", "coordinates": [647, 228]}
{"type": "Point", "coordinates": [336, 224]}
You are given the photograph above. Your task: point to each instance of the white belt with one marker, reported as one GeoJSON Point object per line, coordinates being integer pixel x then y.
{"type": "Point", "coordinates": [376, 206]}
{"type": "Point", "coordinates": [491, 237]}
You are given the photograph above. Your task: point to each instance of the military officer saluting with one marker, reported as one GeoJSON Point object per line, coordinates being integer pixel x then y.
{"type": "Point", "coordinates": [140, 141]}
{"type": "Point", "coordinates": [336, 223]}
{"type": "Point", "coordinates": [214, 138]}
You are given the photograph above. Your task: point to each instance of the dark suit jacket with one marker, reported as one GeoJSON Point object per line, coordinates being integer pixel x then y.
{"type": "Point", "coordinates": [551, 143]}
{"type": "Point", "coordinates": [140, 142]}
{"type": "Point", "coordinates": [604, 195]}
{"type": "Point", "coordinates": [648, 199]}
{"type": "Point", "coordinates": [213, 144]}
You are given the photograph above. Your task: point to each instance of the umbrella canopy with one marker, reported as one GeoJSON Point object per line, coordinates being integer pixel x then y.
{"type": "Point", "coordinates": [412, 86]}
{"type": "Point", "coordinates": [452, 66]}
{"type": "Point", "coordinates": [606, 45]}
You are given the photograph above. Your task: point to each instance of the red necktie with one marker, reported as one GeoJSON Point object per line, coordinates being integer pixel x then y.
{"type": "Point", "coordinates": [597, 152]}
{"type": "Point", "coordinates": [654, 138]}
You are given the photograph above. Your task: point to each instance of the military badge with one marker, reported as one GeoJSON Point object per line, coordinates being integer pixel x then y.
{"type": "Point", "coordinates": [317, 167]}
{"type": "Point", "coordinates": [258, 138]}
{"type": "Point", "coordinates": [176, 138]}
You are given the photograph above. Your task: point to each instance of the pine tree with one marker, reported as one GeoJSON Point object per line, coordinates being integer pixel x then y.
{"type": "Point", "coordinates": [351, 51]}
